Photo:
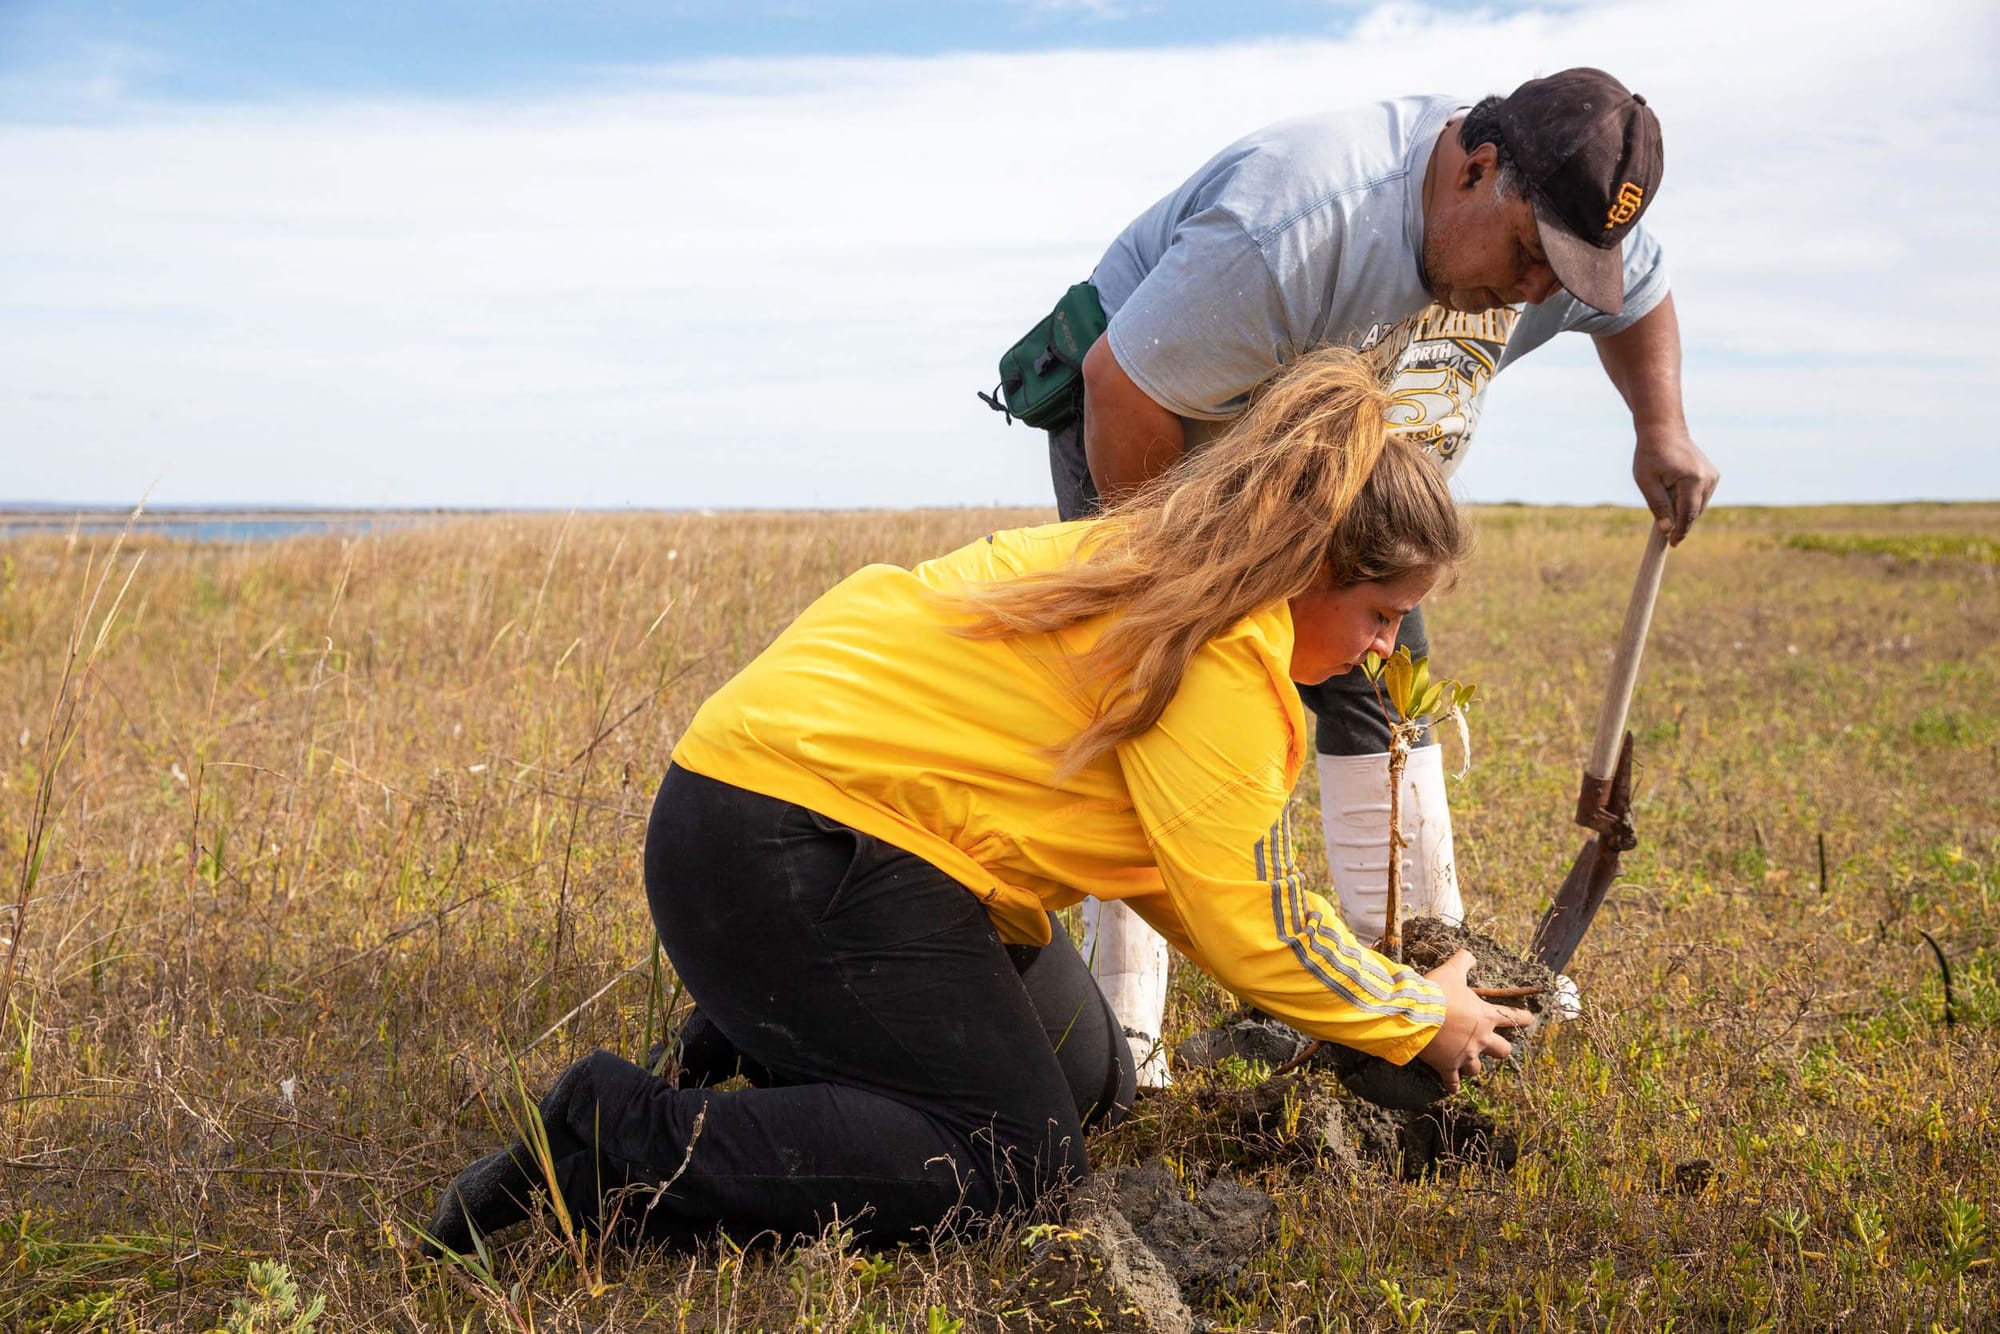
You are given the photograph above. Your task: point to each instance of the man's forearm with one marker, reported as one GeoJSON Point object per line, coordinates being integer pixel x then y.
{"type": "Point", "coordinates": [1643, 363]}
{"type": "Point", "coordinates": [1127, 438]}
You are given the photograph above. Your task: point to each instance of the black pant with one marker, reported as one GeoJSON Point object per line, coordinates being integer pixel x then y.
{"type": "Point", "coordinates": [1348, 718]}
{"type": "Point", "coordinates": [914, 1072]}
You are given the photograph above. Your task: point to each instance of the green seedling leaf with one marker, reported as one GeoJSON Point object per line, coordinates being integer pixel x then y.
{"type": "Point", "coordinates": [1396, 677]}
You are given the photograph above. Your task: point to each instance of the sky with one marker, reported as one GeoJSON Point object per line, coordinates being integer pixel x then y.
{"type": "Point", "coordinates": [673, 253]}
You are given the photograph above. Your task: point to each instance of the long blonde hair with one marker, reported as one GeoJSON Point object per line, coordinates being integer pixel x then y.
{"type": "Point", "coordinates": [1305, 482]}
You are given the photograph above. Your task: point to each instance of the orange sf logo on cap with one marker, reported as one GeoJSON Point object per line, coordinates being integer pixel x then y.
{"type": "Point", "coordinates": [1625, 207]}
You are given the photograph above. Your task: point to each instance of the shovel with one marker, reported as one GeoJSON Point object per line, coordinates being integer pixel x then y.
{"type": "Point", "coordinates": [1604, 799]}
{"type": "Point", "coordinates": [1603, 806]}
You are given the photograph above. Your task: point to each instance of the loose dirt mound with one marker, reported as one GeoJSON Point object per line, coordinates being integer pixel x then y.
{"type": "Point", "coordinates": [1398, 1117]}
{"type": "Point", "coordinates": [1093, 1274]}
{"type": "Point", "coordinates": [1133, 1245]}
{"type": "Point", "coordinates": [1205, 1242]}
{"type": "Point", "coordinates": [1428, 942]}
{"type": "Point", "coordinates": [1255, 1038]}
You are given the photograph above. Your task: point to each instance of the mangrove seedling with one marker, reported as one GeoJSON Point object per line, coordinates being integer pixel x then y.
{"type": "Point", "coordinates": [1411, 702]}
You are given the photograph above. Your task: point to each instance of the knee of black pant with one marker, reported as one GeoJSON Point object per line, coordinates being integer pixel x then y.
{"type": "Point", "coordinates": [575, 1106]}
{"type": "Point", "coordinates": [578, 1112]}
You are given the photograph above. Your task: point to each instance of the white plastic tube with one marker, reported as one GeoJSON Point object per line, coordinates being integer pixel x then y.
{"type": "Point", "coordinates": [1129, 960]}
{"type": "Point", "coordinates": [1354, 813]}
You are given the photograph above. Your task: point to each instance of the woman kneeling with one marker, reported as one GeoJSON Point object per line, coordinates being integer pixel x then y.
{"type": "Point", "coordinates": [855, 856]}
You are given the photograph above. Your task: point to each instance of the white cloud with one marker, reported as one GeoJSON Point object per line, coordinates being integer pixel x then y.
{"type": "Point", "coordinates": [779, 282]}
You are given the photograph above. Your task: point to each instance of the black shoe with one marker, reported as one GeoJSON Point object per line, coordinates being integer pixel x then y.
{"type": "Point", "coordinates": [493, 1193]}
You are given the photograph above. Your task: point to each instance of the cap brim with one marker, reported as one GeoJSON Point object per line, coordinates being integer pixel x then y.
{"type": "Point", "coordinates": [1593, 276]}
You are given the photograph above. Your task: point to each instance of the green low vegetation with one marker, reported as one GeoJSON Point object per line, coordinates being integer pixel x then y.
{"type": "Point", "coordinates": [1912, 547]}
{"type": "Point", "coordinates": [309, 843]}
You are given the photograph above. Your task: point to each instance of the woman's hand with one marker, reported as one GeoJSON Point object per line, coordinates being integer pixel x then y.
{"type": "Point", "coordinates": [1467, 1035]}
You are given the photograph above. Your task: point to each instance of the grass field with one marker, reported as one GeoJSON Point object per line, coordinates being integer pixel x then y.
{"type": "Point", "coordinates": [308, 841]}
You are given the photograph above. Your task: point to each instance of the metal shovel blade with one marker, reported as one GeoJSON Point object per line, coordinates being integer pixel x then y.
{"type": "Point", "coordinates": [1590, 876]}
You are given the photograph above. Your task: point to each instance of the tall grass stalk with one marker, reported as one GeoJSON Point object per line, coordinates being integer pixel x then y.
{"type": "Point", "coordinates": [88, 632]}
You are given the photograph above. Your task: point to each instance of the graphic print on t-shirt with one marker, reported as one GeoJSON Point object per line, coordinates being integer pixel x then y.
{"type": "Point", "coordinates": [1438, 363]}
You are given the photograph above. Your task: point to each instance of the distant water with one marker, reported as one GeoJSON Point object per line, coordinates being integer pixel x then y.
{"type": "Point", "coordinates": [213, 527]}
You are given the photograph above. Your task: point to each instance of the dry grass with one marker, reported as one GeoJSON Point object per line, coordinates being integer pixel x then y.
{"type": "Point", "coordinates": [345, 824]}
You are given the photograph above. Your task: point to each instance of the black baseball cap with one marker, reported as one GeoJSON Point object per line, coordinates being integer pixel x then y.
{"type": "Point", "coordinates": [1589, 149]}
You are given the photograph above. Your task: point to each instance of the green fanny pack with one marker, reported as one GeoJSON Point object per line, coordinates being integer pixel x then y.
{"type": "Point", "coordinates": [1041, 377]}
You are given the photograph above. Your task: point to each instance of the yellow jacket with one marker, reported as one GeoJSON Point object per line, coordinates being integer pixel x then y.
{"type": "Point", "coordinates": [870, 710]}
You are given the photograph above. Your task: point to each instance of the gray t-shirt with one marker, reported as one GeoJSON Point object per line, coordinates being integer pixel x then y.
{"type": "Point", "coordinates": [1306, 233]}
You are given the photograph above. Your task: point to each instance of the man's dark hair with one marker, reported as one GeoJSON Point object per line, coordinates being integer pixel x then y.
{"type": "Point", "coordinates": [1482, 126]}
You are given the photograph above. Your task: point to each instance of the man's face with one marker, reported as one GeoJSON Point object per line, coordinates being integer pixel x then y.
{"type": "Point", "coordinates": [1482, 248]}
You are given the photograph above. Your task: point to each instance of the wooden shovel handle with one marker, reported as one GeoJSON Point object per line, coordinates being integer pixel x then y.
{"type": "Point", "coordinates": [1625, 669]}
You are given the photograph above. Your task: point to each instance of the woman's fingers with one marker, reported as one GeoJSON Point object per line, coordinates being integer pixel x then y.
{"type": "Point", "coordinates": [1445, 1053]}
{"type": "Point", "coordinates": [1471, 1030]}
{"type": "Point", "coordinates": [1487, 1041]}
{"type": "Point", "coordinates": [1505, 1017]}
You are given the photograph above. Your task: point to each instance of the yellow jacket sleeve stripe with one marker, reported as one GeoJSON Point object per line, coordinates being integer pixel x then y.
{"type": "Point", "coordinates": [1334, 957]}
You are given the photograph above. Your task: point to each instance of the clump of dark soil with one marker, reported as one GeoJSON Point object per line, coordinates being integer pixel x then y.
{"type": "Point", "coordinates": [1093, 1273]}
{"type": "Point", "coordinates": [1134, 1243]}
{"type": "Point", "coordinates": [1692, 1176]}
{"type": "Point", "coordinates": [1436, 1137]}
{"type": "Point", "coordinates": [1428, 942]}
{"type": "Point", "coordinates": [1204, 1242]}
{"type": "Point", "coordinates": [1255, 1038]}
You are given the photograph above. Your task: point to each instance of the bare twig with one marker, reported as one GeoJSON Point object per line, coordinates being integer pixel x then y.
{"type": "Point", "coordinates": [1944, 969]}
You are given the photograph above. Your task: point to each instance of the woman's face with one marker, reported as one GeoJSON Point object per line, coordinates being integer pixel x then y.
{"type": "Point", "coordinates": [1333, 629]}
